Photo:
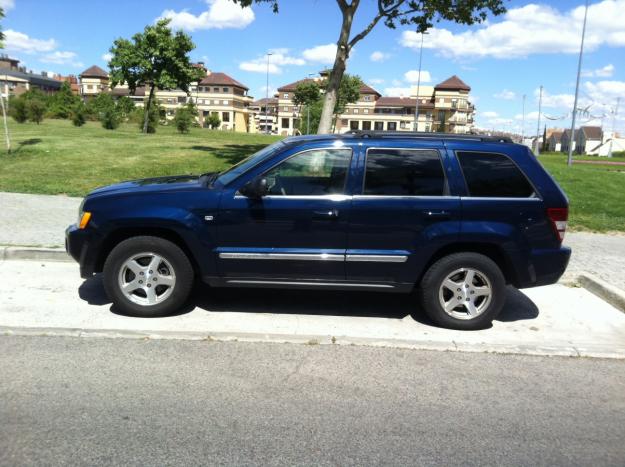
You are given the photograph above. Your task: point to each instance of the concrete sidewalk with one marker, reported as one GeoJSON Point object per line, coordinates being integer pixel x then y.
{"type": "Point", "coordinates": [50, 299]}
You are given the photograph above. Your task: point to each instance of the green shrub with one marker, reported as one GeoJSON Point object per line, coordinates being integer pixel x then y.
{"type": "Point", "coordinates": [125, 107]}
{"type": "Point", "coordinates": [62, 103]}
{"type": "Point", "coordinates": [212, 121]}
{"type": "Point", "coordinates": [78, 115]}
{"type": "Point", "coordinates": [36, 109]}
{"type": "Point", "coordinates": [18, 110]}
{"type": "Point", "coordinates": [110, 119]}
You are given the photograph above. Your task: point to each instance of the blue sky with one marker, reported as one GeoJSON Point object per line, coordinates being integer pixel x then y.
{"type": "Point", "coordinates": [535, 43]}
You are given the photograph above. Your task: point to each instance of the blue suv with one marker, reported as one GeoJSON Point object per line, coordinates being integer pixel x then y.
{"type": "Point", "coordinates": [455, 216]}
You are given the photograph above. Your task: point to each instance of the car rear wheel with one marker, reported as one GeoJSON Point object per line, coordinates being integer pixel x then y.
{"type": "Point", "coordinates": [463, 291]}
{"type": "Point", "coordinates": [148, 276]}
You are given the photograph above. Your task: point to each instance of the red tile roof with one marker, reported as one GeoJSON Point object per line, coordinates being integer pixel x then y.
{"type": "Point", "coordinates": [222, 79]}
{"type": "Point", "coordinates": [453, 83]}
{"type": "Point", "coordinates": [592, 132]}
{"type": "Point", "coordinates": [364, 89]}
{"type": "Point", "coordinates": [264, 100]}
{"type": "Point", "coordinates": [291, 86]}
{"type": "Point", "coordinates": [386, 101]}
{"type": "Point", "coordinates": [94, 72]}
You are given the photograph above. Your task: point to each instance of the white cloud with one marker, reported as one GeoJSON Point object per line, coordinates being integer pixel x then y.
{"type": "Point", "coordinates": [7, 4]}
{"type": "Point", "coordinates": [59, 57]}
{"type": "Point", "coordinates": [412, 76]}
{"type": "Point", "coordinates": [489, 114]}
{"type": "Point", "coordinates": [277, 59]}
{"type": "Point", "coordinates": [321, 54]}
{"type": "Point", "coordinates": [378, 56]}
{"type": "Point", "coordinates": [396, 83]}
{"type": "Point", "coordinates": [604, 72]}
{"type": "Point", "coordinates": [221, 14]}
{"type": "Point", "coordinates": [556, 101]}
{"type": "Point", "coordinates": [107, 57]}
{"type": "Point", "coordinates": [529, 116]}
{"type": "Point", "coordinates": [397, 92]}
{"type": "Point", "coordinates": [530, 29]}
{"type": "Point", "coordinates": [376, 81]}
{"type": "Point", "coordinates": [505, 95]}
{"type": "Point", "coordinates": [20, 42]}
{"type": "Point", "coordinates": [604, 92]}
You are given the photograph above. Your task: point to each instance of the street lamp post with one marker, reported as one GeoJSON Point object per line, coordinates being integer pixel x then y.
{"type": "Point", "coordinates": [416, 110]}
{"type": "Point", "coordinates": [569, 161]}
{"type": "Point", "coordinates": [618, 101]}
{"type": "Point", "coordinates": [267, 93]}
{"type": "Point", "coordinates": [308, 110]}
{"type": "Point", "coordinates": [540, 103]}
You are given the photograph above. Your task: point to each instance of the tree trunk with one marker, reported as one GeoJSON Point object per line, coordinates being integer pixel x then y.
{"type": "Point", "coordinates": [340, 63]}
{"type": "Point", "coordinates": [146, 113]}
{"type": "Point", "coordinates": [6, 127]}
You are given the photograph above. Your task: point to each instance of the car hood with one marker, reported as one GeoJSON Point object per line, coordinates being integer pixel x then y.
{"type": "Point", "coordinates": [151, 185]}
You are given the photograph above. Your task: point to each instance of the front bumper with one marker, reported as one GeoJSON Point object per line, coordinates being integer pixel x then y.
{"type": "Point", "coordinates": [80, 245]}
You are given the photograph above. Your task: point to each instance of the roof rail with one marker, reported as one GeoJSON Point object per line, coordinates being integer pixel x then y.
{"type": "Point", "coordinates": [424, 135]}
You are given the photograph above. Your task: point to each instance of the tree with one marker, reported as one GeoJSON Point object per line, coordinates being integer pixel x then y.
{"type": "Point", "coordinates": [18, 109]}
{"type": "Point", "coordinates": [36, 108]}
{"type": "Point", "coordinates": [4, 110]}
{"type": "Point", "coordinates": [419, 13]}
{"type": "Point", "coordinates": [306, 93]}
{"type": "Point", "coordinates": [100, 104]}
{"type": "Point", "coordinates": [78, 114]}
{"type": "Point", "coordinates": [308, 126]}
{"type": "Point", "coordinates": [125, 106]}
{"type": "Point", "coordinates": [183, 119]}
{"type": "Point", "coordinates": [110, 118]}
{"type": "Point", "coordinates": [156, 58]}
{"type": "Point", "coordinates": [63, 102]}
{"type": "Point", "coordinates": [213, 121]}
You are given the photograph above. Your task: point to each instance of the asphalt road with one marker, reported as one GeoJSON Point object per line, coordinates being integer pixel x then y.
{"type": "Point", "coordinates": [140, 402]}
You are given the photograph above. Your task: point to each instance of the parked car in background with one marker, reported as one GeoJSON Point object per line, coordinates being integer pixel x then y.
{"type": "Point", "coordinates": [458, 217]}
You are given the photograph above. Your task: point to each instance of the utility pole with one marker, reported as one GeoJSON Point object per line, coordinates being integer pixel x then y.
{"type": "Point", "coordinates": [569, 161]}
{"type": "Point", "coordinates": [540, 104]}
{"type": "Point", "coordinates": [267, 94]}
{"type": "Point", "coordinates": [618, 101]}
{"type": "Point", "coordinates": [416, 109]}
{"type": "Point", "coordinates": [523, 123]}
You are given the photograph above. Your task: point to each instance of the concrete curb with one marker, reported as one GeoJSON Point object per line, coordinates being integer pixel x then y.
{"type": "Point", "coordinates": [607, 292]}
{"type": "Point", "coordinates": [451, 346]}
{"type": "Point", "coordinates": [33, 254]}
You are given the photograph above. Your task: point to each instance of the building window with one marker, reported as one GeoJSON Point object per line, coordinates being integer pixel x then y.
{"type": "Point", "coordinates": [285, 123]}
{"type": "Point", "coordinates": [344, 122]}
{"type": "Point", "coordinates": [285, 95]}
{"type": "Point", "coordinates": [367, 98]}
{"type": "Point", "coordinates": [355, 111]}
{"type": "Point", "coordinates": [353, 124]}
{"type": "Point", "coordinates": [225, 117]}
{"type": "Point", "coordinates": [225, 89]}
{"type": "Point", "coordinates": [366, 125]}
{"type": "Point", "coordinates": [402, 125]}
{"type": "Point", "coordinates": [224, 102]}
{"type": "Point", "coordinates": [428, 127]}
{"type": "Point", "coordinates": [379, 126]}
{"type": "Point", "coordinates": [285, 108]}
{"type": "Point", "coordinates": [391, 126]}
{"type": "Point", "coordinates": [215, 89]}
{"type": "Point", "coordinates": [365, 111]}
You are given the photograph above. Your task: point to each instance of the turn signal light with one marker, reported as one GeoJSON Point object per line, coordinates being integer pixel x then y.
{"type": "Point", "coordinates": [84, 220]}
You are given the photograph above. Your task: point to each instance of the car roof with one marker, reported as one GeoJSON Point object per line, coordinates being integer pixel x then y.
{"type": "Point", "coordinates": [389, 135]}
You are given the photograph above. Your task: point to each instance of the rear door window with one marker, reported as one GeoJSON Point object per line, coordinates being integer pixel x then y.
{"type": "Point", "coordinates": [404, 172]}
{"type": "Point", "coordinates": [492, 175]}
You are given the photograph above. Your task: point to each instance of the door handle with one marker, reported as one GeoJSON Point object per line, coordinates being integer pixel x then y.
{"type": "Point", "coordinates": [437, 214]}
{"type": "Point", "coordinates": [326, 214]}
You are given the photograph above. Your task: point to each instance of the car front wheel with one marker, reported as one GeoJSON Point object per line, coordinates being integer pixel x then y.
{"type": "Point", "coordinates": [463, 291]}
{"type": "Point", "coordinates": [148, 276]}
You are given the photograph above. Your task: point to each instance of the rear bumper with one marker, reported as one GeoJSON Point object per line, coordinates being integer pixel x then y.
{"type": "Point", "coordinates": [80, 245]}
{"type": "Point", "coordinates": [545, 267]}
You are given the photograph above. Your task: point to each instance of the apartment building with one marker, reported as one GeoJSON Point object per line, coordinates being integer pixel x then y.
{"type": "Point", "coordinates": [264, 114]}
{"type": "Point", "coordinates": [216, 93]}
{"type": "Point", "coordinates": [445, 107]}
{"type": "Point", "coordinates": [16, 79]}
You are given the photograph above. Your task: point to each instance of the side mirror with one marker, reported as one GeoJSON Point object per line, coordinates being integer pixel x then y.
{"type": "Point", "coordinates": [256, 188]}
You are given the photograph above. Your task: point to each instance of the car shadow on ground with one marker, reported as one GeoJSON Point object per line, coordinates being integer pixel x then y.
{"type": "Point", "coordinates": [317, 303]}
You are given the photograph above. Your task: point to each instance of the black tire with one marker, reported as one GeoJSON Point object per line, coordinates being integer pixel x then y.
{"type": "Point", "coordinates": [177, 259]}
{"type": "Point", "coordinates": [432, 281]}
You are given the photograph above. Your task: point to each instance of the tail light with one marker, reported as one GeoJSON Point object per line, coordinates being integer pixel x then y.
{"type": "Point", "coordinates": [558, 218]}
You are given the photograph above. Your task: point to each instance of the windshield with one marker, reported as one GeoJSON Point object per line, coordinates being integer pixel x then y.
{"type": "Point", "coordinates": [233, 172]}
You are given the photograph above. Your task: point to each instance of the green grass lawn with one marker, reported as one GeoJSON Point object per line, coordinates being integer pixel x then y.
{"type": "Point", "coordinates": [57, 158]}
